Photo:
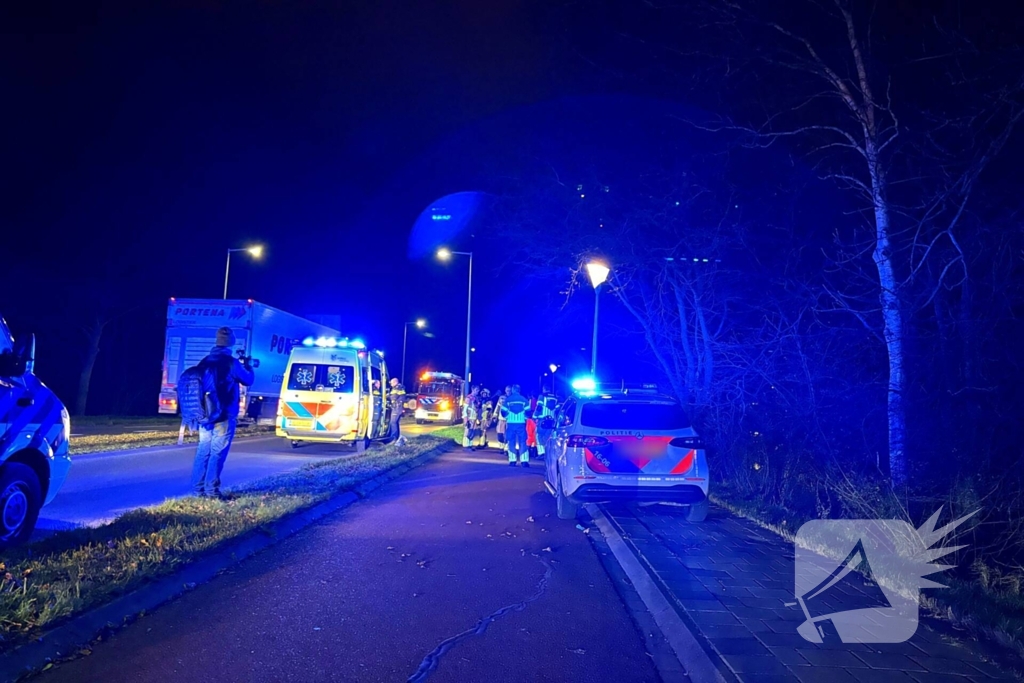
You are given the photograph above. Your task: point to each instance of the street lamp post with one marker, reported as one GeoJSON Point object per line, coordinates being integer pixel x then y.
{"type": "Point", "coordinates": [445, 254]}
{"type": "Point", "coordinates": [554, 369]}
{"type": "Point", "coordinates": [420, 323]}
{"type": "Point", "coordinates": [598, 273]}
{"type": "Point", "coordinates": [255, 252]}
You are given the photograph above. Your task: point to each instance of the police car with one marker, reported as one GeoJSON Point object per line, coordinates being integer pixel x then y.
{"type": "Point", "coordinates": [624, 444]}
{"type": "Point", "coordinates": [34, 431]}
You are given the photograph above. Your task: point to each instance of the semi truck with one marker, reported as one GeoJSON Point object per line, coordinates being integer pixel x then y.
{"type": "Point", "coordinates": [263, 332]}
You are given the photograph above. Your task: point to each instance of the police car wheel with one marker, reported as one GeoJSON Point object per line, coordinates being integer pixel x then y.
{"type": "Point", "coordinates": [20, 500]}
{"type": "Point", "coordinates": [698, 512]}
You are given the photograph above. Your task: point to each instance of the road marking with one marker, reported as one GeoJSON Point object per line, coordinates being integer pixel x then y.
{"type": "Point", "coordinates": [690, 654]}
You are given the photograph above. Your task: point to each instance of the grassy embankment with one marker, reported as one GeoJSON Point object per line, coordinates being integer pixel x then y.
{"type": "Point", "coordinates": [73, 571]}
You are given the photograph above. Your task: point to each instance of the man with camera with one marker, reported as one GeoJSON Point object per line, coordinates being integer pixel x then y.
{"type": "Point", "coordinates": [215, 438]}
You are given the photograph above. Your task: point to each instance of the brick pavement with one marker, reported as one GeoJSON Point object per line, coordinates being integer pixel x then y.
{"type": "Point", "coordinates": [732, 581]}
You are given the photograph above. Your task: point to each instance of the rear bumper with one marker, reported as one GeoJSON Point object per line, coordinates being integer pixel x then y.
{"type": "Point", "coordinates": [434, 416]}
{"type": "Point", "coordinates": [605, 493]}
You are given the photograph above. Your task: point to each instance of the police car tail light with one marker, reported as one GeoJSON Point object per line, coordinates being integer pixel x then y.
{"type": "Point", "coordinates": [582, 441]}
{"type": "Point", "coordinates": [691, 442]}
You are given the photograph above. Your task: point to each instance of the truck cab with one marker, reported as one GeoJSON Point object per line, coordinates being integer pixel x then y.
{"type": "Point", "coordinates": [34, 432]}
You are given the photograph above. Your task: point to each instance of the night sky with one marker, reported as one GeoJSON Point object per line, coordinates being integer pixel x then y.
{"type": "Point", "coordinates": [144, 139]}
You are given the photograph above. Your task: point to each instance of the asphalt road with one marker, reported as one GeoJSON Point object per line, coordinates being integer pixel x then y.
{"type": "Point", "coordinates": [102, 486]}
{"type": "Point", "coordinates": [374, 593]}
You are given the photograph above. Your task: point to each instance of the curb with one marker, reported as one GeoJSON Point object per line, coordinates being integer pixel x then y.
{"type": "Point", "coordinates": [701, 663]}
{"type": "Point", "coordinates": [81, 630]}
{"type": "Point", "coordinates": [161, 446]}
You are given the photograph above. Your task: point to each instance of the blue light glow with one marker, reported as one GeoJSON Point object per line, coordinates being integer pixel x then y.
{"type": "Point", "coordinates": [584, 384]}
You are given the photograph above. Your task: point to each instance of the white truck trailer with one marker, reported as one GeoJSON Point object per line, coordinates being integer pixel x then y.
{"type": "Point", "coordinates": [261, 331]}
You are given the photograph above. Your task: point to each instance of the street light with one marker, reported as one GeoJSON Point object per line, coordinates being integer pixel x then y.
{"type": "Point", "coordinates": [420, 323]}
{"type": "Point", "coordinates": [446, 254]}
{"type": "Point", "coordinates": [254, 251]}
{"type": "Point", "coordinates": [598, 274]}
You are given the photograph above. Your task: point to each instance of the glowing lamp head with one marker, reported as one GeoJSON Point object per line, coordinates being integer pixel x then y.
{"type": "Point", "coordinates": [421, 323]}
{"type": "Point", "coordinates": [256, 251]}
{"type": "Point", "coordinates": [598, 273]}
{"type": "Point", "coordinates": [444, 253]}
{"type": "Point", "coordinates": [553, 368]}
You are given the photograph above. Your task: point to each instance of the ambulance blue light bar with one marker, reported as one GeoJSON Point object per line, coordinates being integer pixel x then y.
{"type": "Point", "coordinates": [333, 343]}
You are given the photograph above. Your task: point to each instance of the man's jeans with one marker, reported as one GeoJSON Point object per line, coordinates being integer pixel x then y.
{"type": "Point", "coordinates": [394, 427]}
{"type": "Point", "coordinates": [214, 443]}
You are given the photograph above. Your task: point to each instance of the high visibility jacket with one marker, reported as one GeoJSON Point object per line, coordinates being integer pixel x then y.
{"type": "Point", "coordinates": [545, 408]}
{"type": "Point", "coordinates": [515, 408]}
{"type": "Point", "coordinates": [470, 410]}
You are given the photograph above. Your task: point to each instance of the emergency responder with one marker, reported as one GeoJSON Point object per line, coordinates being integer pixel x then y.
{"type": "Point", "coordinates": [470, 418]}
{"type": "Point", "coordinates": [502, 422]}
{"type": "Point", "coordinates": [396, 402]}
{"type": "Point", "coordinates": [531, 428]}
{"type": "Point", "coordinates": [515, 410]}
{"type": "Point", "coordinates": [546, 405]}
{"type": "Point", "coordinates": [486, 416]}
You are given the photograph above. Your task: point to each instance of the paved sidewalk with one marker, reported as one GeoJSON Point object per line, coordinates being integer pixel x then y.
{"type": "Point", "coordinates": [732, 580]}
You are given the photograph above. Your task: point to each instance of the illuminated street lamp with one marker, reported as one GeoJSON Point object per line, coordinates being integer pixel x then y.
{"type": "Point", "coordinates": [598, 274]}
{"type": "Point", "coordinates": [446, 254]}
{"type": "Point", "coordinates": [254, 251]}
{"type": "Point", "coordinates": [420, 323]}
{"type": "Point", "coordinates": [554, 368]}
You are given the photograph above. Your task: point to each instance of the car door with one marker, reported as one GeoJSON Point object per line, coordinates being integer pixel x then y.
{"type": "Point", "coordinates": [556, 446]}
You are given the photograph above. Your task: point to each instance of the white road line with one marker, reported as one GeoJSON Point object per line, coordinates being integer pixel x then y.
{"type": "Point", "coordinates": [691, 655]}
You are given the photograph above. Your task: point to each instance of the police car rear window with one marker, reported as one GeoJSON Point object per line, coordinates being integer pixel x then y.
{"type": "Point", "coordinates": [621, 415]}
{"type": "Point", "coordinates": [314, 377]}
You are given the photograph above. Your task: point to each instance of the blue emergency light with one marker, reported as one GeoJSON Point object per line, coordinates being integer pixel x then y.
{"type": "Point", "coordinates": [333, 343]}
{"type": "Point", "coordinates": [584, 384]}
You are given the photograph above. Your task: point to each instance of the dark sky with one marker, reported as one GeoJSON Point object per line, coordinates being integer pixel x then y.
{"type": "Point", "coordinates": [141, 140]}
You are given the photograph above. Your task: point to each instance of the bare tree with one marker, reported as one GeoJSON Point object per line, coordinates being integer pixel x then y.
{"type": "Point", "coordinates": [809, 67]}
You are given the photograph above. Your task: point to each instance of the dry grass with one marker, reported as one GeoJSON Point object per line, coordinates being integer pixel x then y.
{"type": "Point", "coordinates": [73, 571]}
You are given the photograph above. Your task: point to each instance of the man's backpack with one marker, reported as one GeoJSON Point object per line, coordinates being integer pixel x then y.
{"type": "Point", "coordinates": [201, 393]}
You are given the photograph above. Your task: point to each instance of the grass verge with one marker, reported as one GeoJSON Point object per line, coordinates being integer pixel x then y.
{"type": "Point", "coordinates": [454, 433]}
{"type": "Point", "coordinates": [157, 436]}
{"type": "Point", "coordinates": [998, 616]}
{"type": "Point", "coordinates": [71, 572]}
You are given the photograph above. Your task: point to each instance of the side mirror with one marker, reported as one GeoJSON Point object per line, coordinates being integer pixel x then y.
{"type": "Point", "coordinates": [21, 360]}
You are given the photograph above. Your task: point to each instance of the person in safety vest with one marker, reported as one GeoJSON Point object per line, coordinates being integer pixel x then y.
{"type": "Point", "coordinates": [470, 419]}
{"type": "Point", "coordinates": [546, 405]}
{"type": "Point", "coordinates": [396, 401]}
{"type": "Point", "coordinates": [486, 416]}
{"type": "Point", "coordinates": [515, 410]}
{"type": "Point", "coordinates": [502, 422]}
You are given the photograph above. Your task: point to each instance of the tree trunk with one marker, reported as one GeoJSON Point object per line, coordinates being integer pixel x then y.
{"type": "Point", "coordinates": [93, 333]}
{"type": "Point", "coordinates": [892, 320]}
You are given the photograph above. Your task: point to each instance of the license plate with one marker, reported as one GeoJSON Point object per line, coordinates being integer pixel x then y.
{"type": "Point", "coordinates": [300, 424]}
{"type": "Point", "coordinates": [431, 414]}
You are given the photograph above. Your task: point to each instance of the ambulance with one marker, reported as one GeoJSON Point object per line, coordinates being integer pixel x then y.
{"type": "Point", "coordinates": [334, 391]}
{"type": "Point", "coordinates": [34, 431]}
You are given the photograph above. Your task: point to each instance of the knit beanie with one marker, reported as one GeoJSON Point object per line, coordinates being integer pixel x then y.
{"type": "Point", "coordinates": [225, 337]}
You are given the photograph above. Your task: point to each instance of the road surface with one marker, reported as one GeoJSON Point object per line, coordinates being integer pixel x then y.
{"type": "Point", "coordinates": [102, 486]}
{"type": "Point", "coordinates": [371, 593]}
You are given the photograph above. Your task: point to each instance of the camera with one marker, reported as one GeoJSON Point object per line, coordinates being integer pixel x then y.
{"type": "Point", "coordinates": [247, 360]}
